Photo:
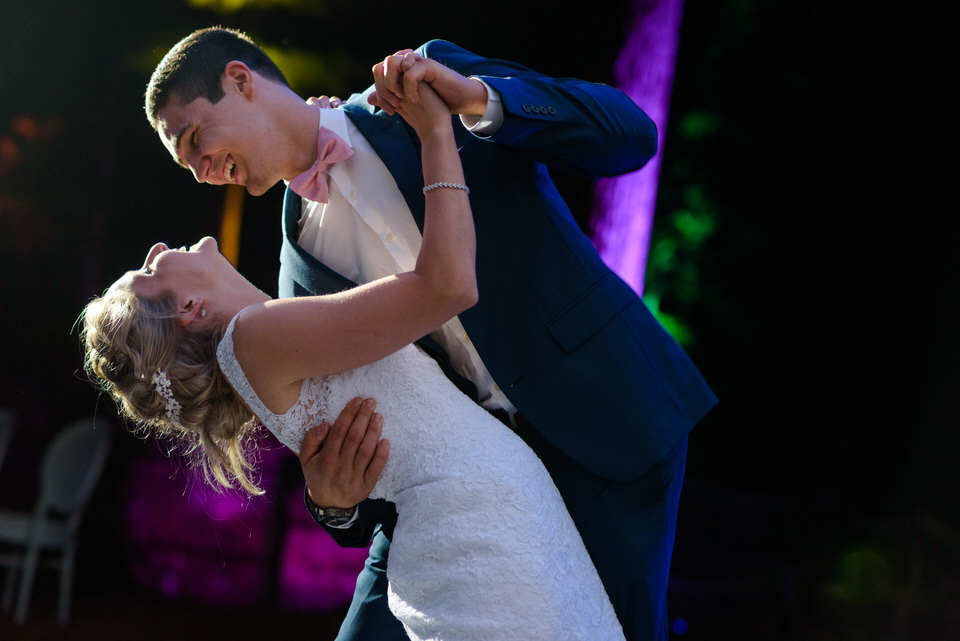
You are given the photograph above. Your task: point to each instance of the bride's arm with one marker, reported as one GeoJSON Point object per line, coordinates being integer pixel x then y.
{"type": "Point", "coordinates": [284, 341]}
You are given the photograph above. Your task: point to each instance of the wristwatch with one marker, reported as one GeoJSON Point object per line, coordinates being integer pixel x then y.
{"type": "Point", "coordinates": [327, 515]}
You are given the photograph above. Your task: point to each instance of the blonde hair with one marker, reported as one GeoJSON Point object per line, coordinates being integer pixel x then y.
{"type": "Point", "coordinates": [127, 339]}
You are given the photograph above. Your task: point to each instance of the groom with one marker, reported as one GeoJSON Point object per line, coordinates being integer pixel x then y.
{"type": "Point", "coordinates": [558, 346]}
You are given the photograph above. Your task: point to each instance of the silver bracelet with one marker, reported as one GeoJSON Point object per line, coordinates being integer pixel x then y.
{"type": "Point", "coordinates": [447, 185]}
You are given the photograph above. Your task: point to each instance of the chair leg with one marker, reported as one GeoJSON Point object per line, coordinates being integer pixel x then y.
{"type": "Point", "coordinates": [66, 582]}
{"type": "Point", "coordinates": [8, 584]}
{"type": "Point", "coordinates": [26, 583]}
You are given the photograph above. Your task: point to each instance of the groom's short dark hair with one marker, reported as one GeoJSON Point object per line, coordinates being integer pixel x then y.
{"type": "Point", "coordinates": [193, 68]}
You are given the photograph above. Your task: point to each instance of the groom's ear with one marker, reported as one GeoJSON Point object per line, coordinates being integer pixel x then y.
{"type": "Point", "coordinates": [238, 78]}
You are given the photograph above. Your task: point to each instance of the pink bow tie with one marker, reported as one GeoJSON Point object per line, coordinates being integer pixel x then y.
{"type": "Point", "coordinates": [312, 184]}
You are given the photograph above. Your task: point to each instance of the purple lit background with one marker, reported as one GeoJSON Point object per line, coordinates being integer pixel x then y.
{"type": "Point", "coordinates": [623, 212]}
{"type": "Point", "coordinates": [186, 540]}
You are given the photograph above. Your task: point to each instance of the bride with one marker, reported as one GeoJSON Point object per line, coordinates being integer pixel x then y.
{"type": "Point", "coordinates": [483, 547]}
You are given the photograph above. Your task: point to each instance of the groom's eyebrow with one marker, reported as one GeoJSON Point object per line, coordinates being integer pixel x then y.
{"type": "Point", "coordinates": [175, 146]}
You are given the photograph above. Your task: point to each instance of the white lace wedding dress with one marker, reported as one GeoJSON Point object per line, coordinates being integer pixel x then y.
{"type": "Point", "coordinates": [483, 547]}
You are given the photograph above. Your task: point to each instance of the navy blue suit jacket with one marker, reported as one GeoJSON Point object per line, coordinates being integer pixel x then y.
{"type": "Point", "coordinates": [572, 345]}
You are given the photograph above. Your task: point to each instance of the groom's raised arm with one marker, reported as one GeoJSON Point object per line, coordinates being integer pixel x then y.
{"type": "Point", "coordinates": [584, 127]}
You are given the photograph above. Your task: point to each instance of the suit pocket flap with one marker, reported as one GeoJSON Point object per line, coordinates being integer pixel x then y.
{"type": "Point", "coordinates": [595, 308]}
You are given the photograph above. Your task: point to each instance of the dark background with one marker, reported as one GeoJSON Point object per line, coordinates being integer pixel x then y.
{"type": "Point", "coordinates": [821, 496]}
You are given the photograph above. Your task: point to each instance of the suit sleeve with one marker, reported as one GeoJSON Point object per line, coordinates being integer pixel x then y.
{"type": "Point", "coordinates": [586, 128]}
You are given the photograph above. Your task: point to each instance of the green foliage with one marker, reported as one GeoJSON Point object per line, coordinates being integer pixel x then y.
{"type": "Point", "coordinates": [673, 283]}
{"type": "Point", "coordinates": [687, 217]}
{"type": "Point", "coordinates": [863, 576]}
{"type": "Point", "coordinates": [699, 124]}
{"type": "Point", "coordinates": [680, 331]}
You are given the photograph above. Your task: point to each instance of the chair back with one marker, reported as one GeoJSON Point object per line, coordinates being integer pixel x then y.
{"type": "Point", "coordinates": [6, 433]}
{"type": "Point", "coordinates": [71, 467]}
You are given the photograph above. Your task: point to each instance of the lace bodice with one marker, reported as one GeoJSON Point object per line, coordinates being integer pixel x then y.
{"type": "Point", "coordinates": [483, 547]}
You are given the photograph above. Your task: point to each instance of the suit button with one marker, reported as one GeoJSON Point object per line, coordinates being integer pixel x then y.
{"type": "Point", "coordinates": [526, 108]}
{"type": "Point", "coordinates": [552, 111]}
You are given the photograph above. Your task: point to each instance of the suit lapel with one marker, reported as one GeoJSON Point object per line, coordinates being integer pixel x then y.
{"type": "Point", "coordinates": [299, 265]}
{"type": "Point", "coordinates": [396, 145]}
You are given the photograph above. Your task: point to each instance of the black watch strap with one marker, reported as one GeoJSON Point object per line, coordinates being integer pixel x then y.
{"type": "Point", "coordinates": [327, 515]}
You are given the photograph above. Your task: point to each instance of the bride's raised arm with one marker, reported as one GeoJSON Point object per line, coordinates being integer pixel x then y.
{"type": "Point", "coordinates": [284, 341]}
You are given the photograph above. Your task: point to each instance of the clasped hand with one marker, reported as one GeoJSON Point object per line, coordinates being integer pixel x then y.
{"type": "Point", "coordinates": [403, 74]}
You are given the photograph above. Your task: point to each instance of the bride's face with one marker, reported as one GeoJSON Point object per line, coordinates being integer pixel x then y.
{"type": "Point", "coordinates": [187, 272]}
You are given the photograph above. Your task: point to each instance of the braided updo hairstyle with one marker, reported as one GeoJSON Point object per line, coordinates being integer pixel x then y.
{"type": "Point", "coordinates": [127, 339]}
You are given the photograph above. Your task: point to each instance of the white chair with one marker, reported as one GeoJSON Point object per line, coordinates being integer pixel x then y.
{"type": "Point", "coordinates": [69, 471]}
{"type": "Point", "coordinates": [6, 433]}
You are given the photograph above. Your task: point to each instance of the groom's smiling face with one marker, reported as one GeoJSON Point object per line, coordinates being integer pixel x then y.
{"type": "Point", "coordinates": [204, 138]}
{"type": "Point", "coordinates": [227, 142]}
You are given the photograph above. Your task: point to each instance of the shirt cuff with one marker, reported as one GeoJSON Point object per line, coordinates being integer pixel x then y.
{"type": "Point", "coordinates": [347, 524]}
{"type": "Point", "coordinates": [491, 120]}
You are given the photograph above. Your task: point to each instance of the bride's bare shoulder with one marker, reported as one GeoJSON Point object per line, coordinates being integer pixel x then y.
{"type": "Point", "coordinates": [256, 349]}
